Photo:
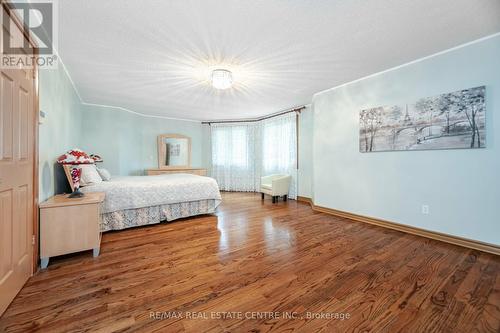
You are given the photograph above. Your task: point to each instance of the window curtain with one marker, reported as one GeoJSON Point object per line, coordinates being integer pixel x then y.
{"type": "Point", "coordinates": [243, 152]}
{"type": "Point", "coordinates": [279, 148]}
{"type": "Point", "coordinates": [234, 155]}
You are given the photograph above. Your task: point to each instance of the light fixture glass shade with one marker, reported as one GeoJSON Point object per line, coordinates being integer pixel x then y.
{"type": "Point", "coordinates": [222, 79]}
{"type": "Point", "coordinates": [75, 156]}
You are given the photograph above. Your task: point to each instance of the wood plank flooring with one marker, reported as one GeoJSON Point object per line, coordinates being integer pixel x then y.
{"type": "Point", "coordinates": [259, 267]}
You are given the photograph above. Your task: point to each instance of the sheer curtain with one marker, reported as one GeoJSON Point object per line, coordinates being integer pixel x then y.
{"type": "Point", "coordinates": [233, 156]}
{"type": "Point", "coordinates": [279, 148]}
{"type": "Point", "coordinates": [243, 152]}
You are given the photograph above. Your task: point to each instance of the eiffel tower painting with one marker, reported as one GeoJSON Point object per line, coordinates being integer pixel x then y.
{"type": "Point", "coordinates": [447, 121]}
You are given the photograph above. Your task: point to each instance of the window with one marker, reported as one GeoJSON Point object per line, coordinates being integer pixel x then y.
{"type": "Point", "coordinates": [230, 146]}
{"type": "Point", "coordinates": [242, 152]}
{"type": "Point", "coordinates": [278, 146]}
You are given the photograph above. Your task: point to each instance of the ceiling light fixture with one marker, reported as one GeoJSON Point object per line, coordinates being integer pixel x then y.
{"type": "Point", "coordinates": [222, 79]}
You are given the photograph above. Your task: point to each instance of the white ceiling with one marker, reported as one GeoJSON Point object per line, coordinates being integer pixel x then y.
{"type": "Point", "coordinates": [154, 57]}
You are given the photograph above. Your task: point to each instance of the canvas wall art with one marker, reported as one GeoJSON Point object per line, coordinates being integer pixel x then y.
{"type": "Point", "coordinates": [447, 121]}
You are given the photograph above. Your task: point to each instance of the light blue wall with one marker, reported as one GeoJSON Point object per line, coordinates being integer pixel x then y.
{"type": "Point", "coordinates": [127, 141]}
{"type": "Point", "coordinates": [462, 187]}
{"type": "Point", "coordinates": [305, 154]}
{"type": "Point", "coordinates": [207, 148]}
{"type": "Point", "coordinates": [60, 131]}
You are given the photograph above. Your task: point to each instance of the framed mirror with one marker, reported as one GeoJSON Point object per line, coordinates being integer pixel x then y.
{"type": "Point", "coordinates": [174, 151]}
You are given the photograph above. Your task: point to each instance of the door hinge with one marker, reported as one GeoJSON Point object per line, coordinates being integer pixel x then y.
{"type": "Point", "coordinates": [33, 240]}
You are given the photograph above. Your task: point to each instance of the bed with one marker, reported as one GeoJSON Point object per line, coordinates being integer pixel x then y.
{"type": "Point", "coordinates": [142, 200]}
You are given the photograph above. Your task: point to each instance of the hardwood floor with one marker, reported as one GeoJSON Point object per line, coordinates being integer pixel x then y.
{"type": "Point", "coordinates": [253, 258]}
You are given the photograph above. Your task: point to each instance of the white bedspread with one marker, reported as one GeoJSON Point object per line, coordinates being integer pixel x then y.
{"type": "Point", "coordinates": [144, 191]}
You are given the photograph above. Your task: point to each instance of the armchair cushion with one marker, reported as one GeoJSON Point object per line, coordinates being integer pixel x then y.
{"type": "Point", "coordinates": [275, 185]}
{"type": "Point", "coordinates": [267, 186]}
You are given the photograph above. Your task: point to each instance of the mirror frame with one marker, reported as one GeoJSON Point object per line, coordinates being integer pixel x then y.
{"type": "Point", "coordinates": [162, 151]}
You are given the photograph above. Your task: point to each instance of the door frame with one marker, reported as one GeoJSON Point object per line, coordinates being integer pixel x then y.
{"type": "Point", "coordinates": [36, 210]}
{"type": "Point", "coordinates": [35, 237]}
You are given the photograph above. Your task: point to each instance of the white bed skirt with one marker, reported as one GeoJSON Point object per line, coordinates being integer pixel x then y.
{"type": "Point", "coordinates": [129, 218]}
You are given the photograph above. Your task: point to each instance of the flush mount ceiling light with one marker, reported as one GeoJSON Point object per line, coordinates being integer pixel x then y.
{"type": "Point", "coordinates": [222, 79]}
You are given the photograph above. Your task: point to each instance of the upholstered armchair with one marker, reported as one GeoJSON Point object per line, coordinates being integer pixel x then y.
{"type": "Point", "coordinates": [275, 186]}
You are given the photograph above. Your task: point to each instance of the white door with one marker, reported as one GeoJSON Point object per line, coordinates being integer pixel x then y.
{"type": "Point", "coordinates": [17, 160]}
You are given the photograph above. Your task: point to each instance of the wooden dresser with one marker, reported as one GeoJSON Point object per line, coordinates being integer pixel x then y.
{"type": "Point", "coordinates": [194, 171]}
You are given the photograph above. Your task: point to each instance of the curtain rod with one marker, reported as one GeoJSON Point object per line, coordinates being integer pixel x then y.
{"type": "Point", "coordinates": [296, 109]}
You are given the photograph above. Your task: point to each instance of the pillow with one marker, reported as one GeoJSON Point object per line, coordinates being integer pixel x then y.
{"type": "Point", "coordinates": [89, 175]}
{"type": "Point", "coordinates": [105, 175]}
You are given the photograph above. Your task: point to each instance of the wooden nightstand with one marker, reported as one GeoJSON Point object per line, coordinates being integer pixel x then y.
{"type": "Point", "coordinates": [70, 225]}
